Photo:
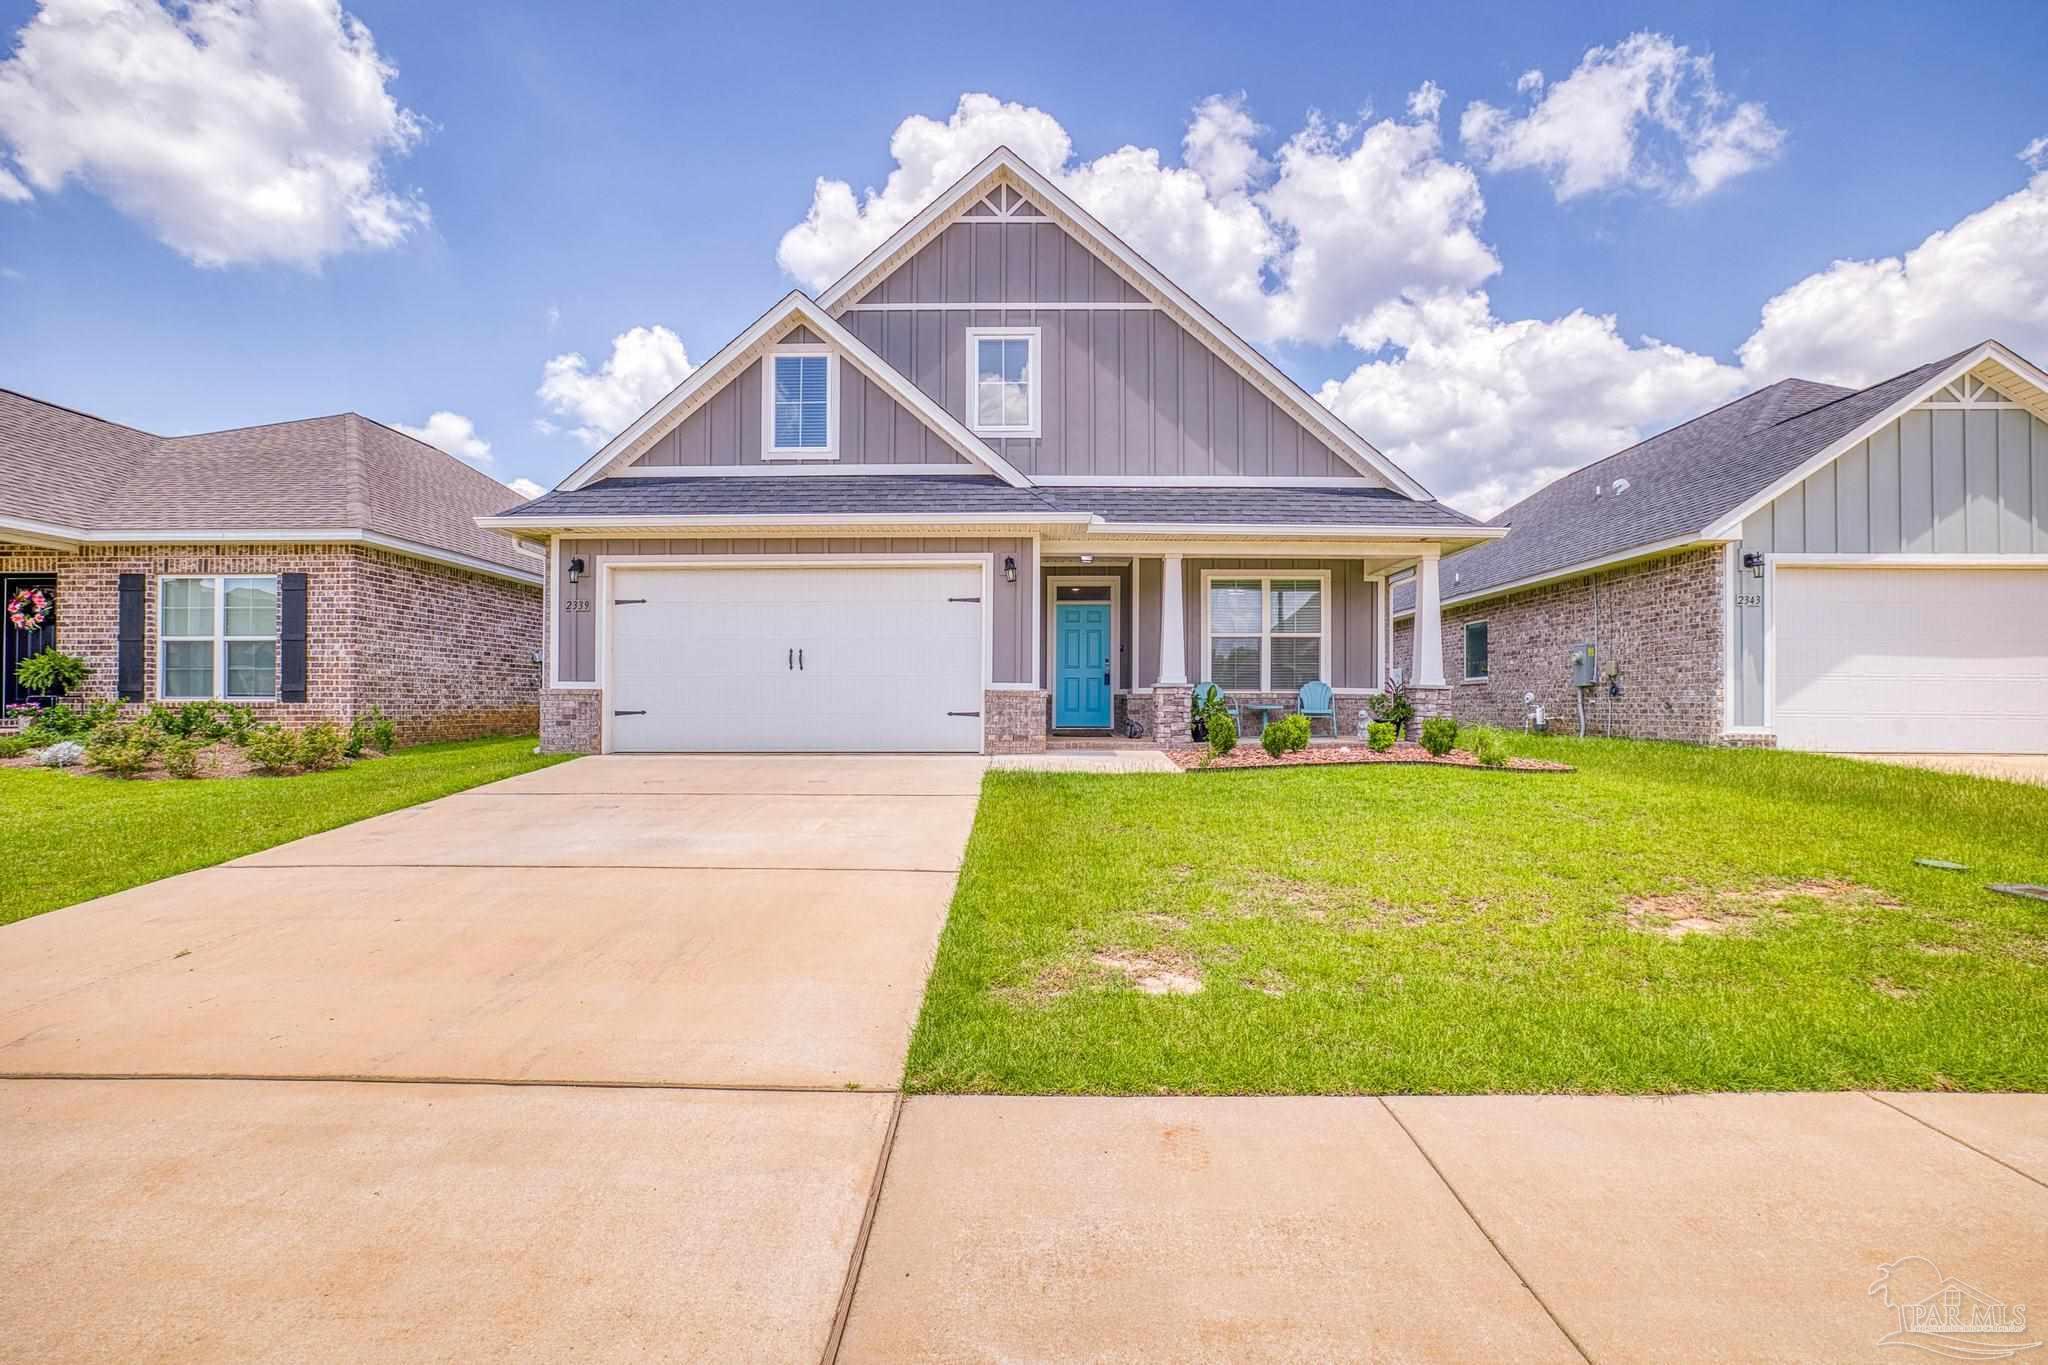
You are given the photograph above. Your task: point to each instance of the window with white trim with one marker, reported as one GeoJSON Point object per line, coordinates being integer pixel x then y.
{"type": "Point", "coordinates": [800, 404]}
{"type": "Point", "coordinates": [1266, 633]}
{"type": "Point", "coordinates": [216, 638]}
{"type": "Point", "coordinates": [1002, 381]}
{"type": "Point", "coordinates": [1475, 651]}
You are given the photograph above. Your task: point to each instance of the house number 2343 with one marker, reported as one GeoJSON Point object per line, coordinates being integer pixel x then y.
{"type": "Point", "coordinates": [1749, 599]}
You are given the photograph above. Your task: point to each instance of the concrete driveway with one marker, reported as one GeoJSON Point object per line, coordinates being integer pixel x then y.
{"type": "Point", "coordinates": [649, 1013]}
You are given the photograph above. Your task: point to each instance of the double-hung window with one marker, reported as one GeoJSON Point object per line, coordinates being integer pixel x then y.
{"type": "Point", "coordinates": [800, 404]}
{"type": "Point", "coordinates": [1002, 381]}
{"type": "Point", "coordinates": [216, 638]}
{"type": "Point", "coordinates": [1266, 633]}
{"type": "Point", "coordinates": [1475, 651]}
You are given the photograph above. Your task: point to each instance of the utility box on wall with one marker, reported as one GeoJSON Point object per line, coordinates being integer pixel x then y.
{"type": "Point", "coordinates": [1585, 671]}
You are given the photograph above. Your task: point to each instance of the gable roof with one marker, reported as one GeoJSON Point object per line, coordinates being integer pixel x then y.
{"type": "Point", "coordinates": [1698, 481]}
{"type": "Point", "coordinates": [68, 477]}
{"type": "Point", "coordinates": [1002, 164]}
{"type": "Point", "coordinates": [761, 336]}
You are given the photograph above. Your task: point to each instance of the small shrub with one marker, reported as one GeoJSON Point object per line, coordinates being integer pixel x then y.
{"type": "Point", "coordinates": [1285, 734]}
{"type": "Point", "coordinates": [62, 722]}
{"type": "Point", "coordinates": [371, 730]}
{"type": "Point", "coordinates": [1222, 733]}
{"type": "Point", "coordinates": [123, 750]}
{"type": "Point", "coordinates": [182, 758]}
{"type": "Point", "coordinates": [65, 753]}
{"type": "Point", "coordinates": [1440, 734]}
{"type": "Point", "coordinates": [273, 748]}
{"type": "Point", "coordinates": [13, 746]}
{"type": "Point", "coordinates": [52, 671]}
{"type": "Point", "coordinates": [1380, 736]}
{"type": "Point", "coordinates": [1488, 748]}
{"type": "Point", "coordinates": [320, 746]}
{"type": "Point", "coordinates": [204, 721]}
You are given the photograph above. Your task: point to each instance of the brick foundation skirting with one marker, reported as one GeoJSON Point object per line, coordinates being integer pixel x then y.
{"type": "Point", "coordinates": [1170, 707]}
{"type": "Point", "coordinates": [1427, 701]}
{"type": "Point", "coordinates": [569, 720]}
{"type": "Point", "coordinates": [1014, 722]}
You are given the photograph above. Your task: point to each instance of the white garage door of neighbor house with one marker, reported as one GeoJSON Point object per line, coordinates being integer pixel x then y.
{"type": "Point", "coordinates": [1893, 660]}
{"type": "Point", "coordinates": [867, 659]}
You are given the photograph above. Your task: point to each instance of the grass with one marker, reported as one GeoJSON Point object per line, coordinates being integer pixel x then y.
{"type": "Point", "coordinates": [1443, 930]}
{"type": "Point", "coordinates": [76, 837]}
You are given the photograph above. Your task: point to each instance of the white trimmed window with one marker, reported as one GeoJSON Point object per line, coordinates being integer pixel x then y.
{"type": "Point", "coordinates": [1475, 651]}
{"type": "Point", "coordinates": [800, 404]}
{"type": "Point", "coordinates": [1002, 381]}
{"type": "Point", "coordinates": [216, 638]}
{"type": "Point", "coordinates": [1265, 632]}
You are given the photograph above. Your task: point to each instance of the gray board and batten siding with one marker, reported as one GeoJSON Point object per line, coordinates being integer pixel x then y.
{"type": "Point", "coordinates": [1127, 390]}
{"type": "Point", "coordinates": [1011, 625]}
{"type": "Point", "coordinates": [1354, 634]}
{"type": "Point", "coordinates": [1938, 481]}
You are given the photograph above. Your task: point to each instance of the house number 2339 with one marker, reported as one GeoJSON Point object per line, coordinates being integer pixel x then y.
{"type": "Point", "coordinates": [576, 604]}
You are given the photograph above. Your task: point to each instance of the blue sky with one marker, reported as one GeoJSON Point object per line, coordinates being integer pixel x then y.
{"type": "Point", "coordinates": [560, 183]}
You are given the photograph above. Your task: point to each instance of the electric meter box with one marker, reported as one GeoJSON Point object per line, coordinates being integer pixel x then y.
{"type": "Point", "coordinates": [1585, 672]}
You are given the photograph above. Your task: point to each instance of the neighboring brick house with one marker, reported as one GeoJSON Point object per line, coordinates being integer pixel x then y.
{"type": "Point", "coordinates": [309, 570]}
{"type": "Point", "coordinates": [1808, 566]}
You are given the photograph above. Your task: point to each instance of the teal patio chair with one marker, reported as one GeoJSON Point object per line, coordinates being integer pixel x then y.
{"type": "Point", "coordinates": [1318, 703]}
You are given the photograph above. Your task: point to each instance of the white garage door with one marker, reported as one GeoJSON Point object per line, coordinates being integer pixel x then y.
{"type": "Point", "coordinates": [795, 659]}
{"type": "Point", "coordinates": [1890, 660]}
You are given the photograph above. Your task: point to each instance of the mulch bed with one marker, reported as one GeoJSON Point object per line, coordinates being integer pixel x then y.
{"type": "Point", "coordinates": [1248, 754]}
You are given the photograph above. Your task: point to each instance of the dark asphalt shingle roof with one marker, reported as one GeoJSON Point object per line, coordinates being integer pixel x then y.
{"type": "Point", "coordinates": [337, 473]}
{"type": "Point", "coordinates": [1680, 482]}
{"type": "Point", "coordinates": [911, 495]}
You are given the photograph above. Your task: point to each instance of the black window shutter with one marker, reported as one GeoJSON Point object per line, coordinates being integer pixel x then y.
{"type": "Point", "coordinates": [128, 638]}
{"type": "Point", "coordinates": [292, 637]}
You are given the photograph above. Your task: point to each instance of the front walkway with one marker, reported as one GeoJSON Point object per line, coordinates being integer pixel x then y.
{"type": "Point", "coordinates": [595, 1064]}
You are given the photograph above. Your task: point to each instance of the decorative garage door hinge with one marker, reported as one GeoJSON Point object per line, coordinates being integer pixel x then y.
{"type": "Point", "coordinates": [628, 601]}
{"type": "Point", "coordinates": [629, 713]}
{"type": "Point", "coordinates": [963, 599]}
{"type": "Point", "coordinates": [963, 713]}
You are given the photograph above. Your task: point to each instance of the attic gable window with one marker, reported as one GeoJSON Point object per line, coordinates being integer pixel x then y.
{"type": "Point", "coordinates": [800, 404]}
{"type": "Point", "coordinates": [1002, 381]}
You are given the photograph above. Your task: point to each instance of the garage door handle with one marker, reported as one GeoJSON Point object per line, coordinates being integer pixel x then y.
{"type": "Point", "coordinates": [629, 713]}
{"type": "Point", "coordinates": [963, 713]}
{"type": "Point", "coordinates": [799, 661]}
{"type": "Point", "coordinates": [628, 601]}
{"type": "Point", "coordinates": [791, 663]}
{"type": "Point", "coordinates": [963, 599]}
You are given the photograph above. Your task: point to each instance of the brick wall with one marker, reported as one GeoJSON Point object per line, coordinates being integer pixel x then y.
{"type": "Point", "coordinates": [1659, 621]}
{"type": "Point", "coordinates": [445, 653]}
{"type": "Point", "coordinates": [570, 720]}
{"type": "Point", "coordinates": [1013, 722]}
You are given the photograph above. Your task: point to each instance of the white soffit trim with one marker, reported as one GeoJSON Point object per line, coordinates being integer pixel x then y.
{"type": "Point", "coordinates": [823, 469]}
{"type": "Point", "coordinates": [434, 554]}
{"type": "Point", "coordinates": [1263, 374]}
{"type": "Point", "coordinates": [1729, 527]}
{"type": "Point", "coordinates": [569, 524]}
{"type": "Point", "coordinates": [723, 367]}
{"type": "Point", "coordinates": [1662, 547]}
{"type": "Point", "coordinates": [1198, 481]}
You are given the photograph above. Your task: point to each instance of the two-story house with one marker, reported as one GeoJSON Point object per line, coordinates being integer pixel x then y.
{"type": "Point", "coordinates": [1003, 480]}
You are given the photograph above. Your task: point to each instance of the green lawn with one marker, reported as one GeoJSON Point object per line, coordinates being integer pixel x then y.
{"type": "Point", "coordinates": [75, 837]}
{"type": "Point", "coordinates": [1410, 929]}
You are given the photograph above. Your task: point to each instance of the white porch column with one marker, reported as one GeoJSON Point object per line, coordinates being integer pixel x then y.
{"type": "Point", "coordinates": [1426, 668]}
{"type": "Point", "coordinates": [1173, 645]}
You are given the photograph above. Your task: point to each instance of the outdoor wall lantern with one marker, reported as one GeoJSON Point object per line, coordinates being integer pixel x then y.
{"type": "Point", "coordinates": [1009, 568]}
{"type": "Point", "coordinates": [576, 569]}
{"type": "Point", "coordinates": [1753, 561]}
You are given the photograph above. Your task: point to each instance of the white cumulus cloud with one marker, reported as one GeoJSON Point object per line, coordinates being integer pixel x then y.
{"type": "Point", "coordinates": [452, 432]}
{"type": "Point", "coordinates": [1646, 113]}
{"type": "Point", "coordinates": [526, 488]}
{"type": "Point", "coordinates": [595, 404]}
{"type": "Point", "coordinates": [239, 132]}
{"type": "Point", "coordinates": [2035, 154]}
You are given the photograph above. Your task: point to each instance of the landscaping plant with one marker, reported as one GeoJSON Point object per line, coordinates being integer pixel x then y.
{"type": "Point", "coordinates": [371, 730]}
{"type": "Point", "coordinates": [1440, 734]}
{"type": "Point", "coordinates": [320, 746]}
{"type": "Point", "coordinates": [13, 746]}
{"type": "Point", "coordinates": [52, 672]}
{"type": "Point", "coordinates": [1391, 705]}
{"type": "Point", "coordinates": [1286, 734]}
{"type": "Point", "coordinates": [121, 750]}
{"type": "Point", "coordinates": [1379, 736]}
{"type": "Point", "coordinates": [182, 758]}
{"type": "Point", "coordinates": [1488, 748]}
{"type": "Point", "coordinates": [273, 749]}
{"type": "Point", "coordinates": [1222, 733]}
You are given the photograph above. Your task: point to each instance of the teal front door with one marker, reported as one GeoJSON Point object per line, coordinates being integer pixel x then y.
{"type": "Point", "coordinates": [1081, 666]}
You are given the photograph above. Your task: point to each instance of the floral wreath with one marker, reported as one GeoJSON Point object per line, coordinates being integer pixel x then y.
{"type": "Point", "coordinates": [29, 608]}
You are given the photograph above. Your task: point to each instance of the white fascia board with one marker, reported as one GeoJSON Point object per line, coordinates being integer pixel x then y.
{"type": "Point", "coordinates": [1662, 547]}
{"type": "Point", "coordinates": [825, 470]}
{"type": "Point", "coordinates": [1262, 530]}
{"type": "Point", "coordinates": [1200, 481]}
{"type": "Point", "coordinates": [44, 535]}
{"type": "Point", "coordinates": [1355, 449]}
{"type": "Point", "coordinates": [1729, 527]}
{"type": "Point", "coordinates": [413, 548]}
{"type": "Point", "coordinates": [571, 524]}
{"type": "Point", "coordinates": [795, 307]}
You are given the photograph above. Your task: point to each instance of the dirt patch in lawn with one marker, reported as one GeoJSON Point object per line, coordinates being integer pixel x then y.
{"type": "Point", "coordinates": [1268, 896]}
{"type": "Point", "coordinates": [1251, 755]}
{"type": "Point", "coordinates": [1736, 910]}
{"type": "Point", "coordinates": [1157, 971]}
